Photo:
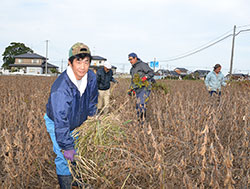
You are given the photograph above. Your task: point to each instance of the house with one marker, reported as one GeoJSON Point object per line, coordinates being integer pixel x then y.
{"type": "Point", "coordinates": [238, 76]}
{"type": "Point", "coordinates": [166, 74]}
{"type": "Point", "coordinates": [161, 74]}
{"type": "Point", "coordinates": [200, 74]}
{"type": "Point", "coordinates": [181, 71]}
{"type": "Point", "coordinates": [98, 62]}
{"type": "Point", "coordinates": [32, 63]}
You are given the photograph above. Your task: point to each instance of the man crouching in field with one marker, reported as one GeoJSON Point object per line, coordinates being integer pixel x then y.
{"type": "Point", "coordinates": [73, 98]}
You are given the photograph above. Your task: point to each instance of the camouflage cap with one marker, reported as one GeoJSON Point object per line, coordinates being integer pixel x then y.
{"type": "Point", "coordinates": [79, 48]}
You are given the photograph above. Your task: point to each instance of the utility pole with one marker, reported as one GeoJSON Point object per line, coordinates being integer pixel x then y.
{"type": "Point", "coordinates": [232, 52]}
{"type": "Point", "coordinates": [46, 63]}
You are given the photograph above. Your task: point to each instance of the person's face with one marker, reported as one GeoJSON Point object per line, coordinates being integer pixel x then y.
{"type": "Point", "coordinates": [106, 69]}
{"type": "Point", "coordinates": [217, 70]}
{"type": "Point", "coordinates": [80, 67]}
{"type": "Point", "coordinates": [132, 60]}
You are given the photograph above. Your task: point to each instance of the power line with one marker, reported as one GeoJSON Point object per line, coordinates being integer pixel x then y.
{"type": "Point", "coordinates": [203, 47]}
{"type": "Point", "coordinates": [246, 30]}
{"type": "Point", "coordinates": [196, 51]}
{"type": "Point", "coordinates": [247, 25]}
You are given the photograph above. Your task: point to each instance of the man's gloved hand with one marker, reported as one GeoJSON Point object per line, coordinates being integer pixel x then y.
{"type": "Point", "coordinates": [94, 117]}
{"type": "Point", "coordinates": [131, 92]}
{"type": "Point", "coordinates": [69, 154]}
{"type": "Point", "coordinates": [143, 78]}
{"type": "Point", "coordinates": [209, 88]}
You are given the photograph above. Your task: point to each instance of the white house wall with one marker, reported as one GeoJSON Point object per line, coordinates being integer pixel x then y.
{"type": "Point", "coordinates": [97, 62]}
{"type": "Point", "coordinates": [34, 70]}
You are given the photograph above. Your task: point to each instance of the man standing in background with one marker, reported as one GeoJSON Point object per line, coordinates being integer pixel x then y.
{"type": "Point", "coordinates": [104, 77]}
{"type": "Point", "coordinates": [214, 80]}
{"type": "Point", "coordinates": [142, 77]}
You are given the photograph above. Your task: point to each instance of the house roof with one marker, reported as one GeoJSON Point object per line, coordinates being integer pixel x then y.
{"type": "Point", "coordinates": [98, 58]}
{"type": "Point", "coordinates": [181, 69]}
{"type": "Point", "coordinates": [174, 73]}
{"type": "Point", "coordinates": [238, 75]}
{"type": "Point", "coordinates": [202, 71]}
{"type": "Point", "coordinates": [49, 65]}
{"type": "Point", "coordinates": [163, 71]}
{"type": "Point", "coordinates": [30, 55]}
{"type": "Point", "coordinates": [97, 67]}
{"type": "Point", "coordinates": [34, 65]}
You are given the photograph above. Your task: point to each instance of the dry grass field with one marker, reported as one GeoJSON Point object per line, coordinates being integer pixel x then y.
{"type": "Point", "coordinates": [190, 140]}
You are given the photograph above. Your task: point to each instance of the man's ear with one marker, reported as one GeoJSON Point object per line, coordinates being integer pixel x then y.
{"type": "Point", "coordinates": [69, 63]}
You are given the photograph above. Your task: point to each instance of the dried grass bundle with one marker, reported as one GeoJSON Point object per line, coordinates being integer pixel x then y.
{"type": "Point", "coordinates": [97, 141]}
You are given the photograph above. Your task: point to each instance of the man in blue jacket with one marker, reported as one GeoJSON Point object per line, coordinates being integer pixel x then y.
{"type": "Point", "coordinates": [104, 77]}
{"type": "Point", "coordinates": [72, 100]}
{"type": "Point", "coordinates": [142, 78]}
{"type": "Point", "coordinates": [214, 80]}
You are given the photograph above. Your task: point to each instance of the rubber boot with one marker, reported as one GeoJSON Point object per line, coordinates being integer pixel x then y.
{"type": "Point", "coordinates": [65, 181]}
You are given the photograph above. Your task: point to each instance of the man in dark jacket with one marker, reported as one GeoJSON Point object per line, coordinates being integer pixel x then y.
{"type": "Point", "coordinates": [142, 78]}
{"type": "Point", "coordinates": [104, 77]}
{"type": "Point", "coordinates": [72, 100]}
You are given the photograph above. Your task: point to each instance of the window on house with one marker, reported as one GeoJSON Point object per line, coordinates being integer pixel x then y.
{"type": "Point", "coordinates": [35, 61]}
{"type": "Point", "coordinates": [19, 60]}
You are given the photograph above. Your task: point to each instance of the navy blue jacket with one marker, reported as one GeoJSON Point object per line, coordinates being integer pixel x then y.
{"type": "Point", "coordinates": [68, 109]}
{"type": "Point", "coordinates": [104, 78]}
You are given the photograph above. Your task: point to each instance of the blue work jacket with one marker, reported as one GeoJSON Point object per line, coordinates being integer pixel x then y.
{"type": "Point", "coordinates": [68, 109]}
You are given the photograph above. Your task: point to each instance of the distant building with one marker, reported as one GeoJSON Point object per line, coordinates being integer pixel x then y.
{"type": "Point", "coordinates": [98, 62]}
{"type": "Point", "coordinates": [181, 71]}
{"type": "Point", "coordinates": [238, 76]}
{"type": "Point", "coordinates": [32, 63]}
{"type": "Point", "coordinates": [200, 74]}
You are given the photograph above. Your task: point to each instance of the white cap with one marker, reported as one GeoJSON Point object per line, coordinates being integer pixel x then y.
{"type": "Point", "coordinates": [107, 65]}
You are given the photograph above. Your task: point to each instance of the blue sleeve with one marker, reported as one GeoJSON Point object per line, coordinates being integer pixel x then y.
{"type": "Point", "coordinates": [207, 79]}
{"type": "Point", "coordinates": [223, 81]}
{"type": "Point", "coordinates": [98, 75]}
{"type": "Point", "coordinates": [112, 78]}
{"type": "Point", "coordinates": [93, 98]}
{"type": "Point", "coordinates": [61, 106]}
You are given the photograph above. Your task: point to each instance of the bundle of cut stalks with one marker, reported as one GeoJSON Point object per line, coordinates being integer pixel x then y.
{"type": "Point", "coordinates": [100, 144]}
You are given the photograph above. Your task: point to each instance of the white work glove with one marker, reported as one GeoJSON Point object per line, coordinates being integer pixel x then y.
{"type": "Point", "coordinates": [209, 88]}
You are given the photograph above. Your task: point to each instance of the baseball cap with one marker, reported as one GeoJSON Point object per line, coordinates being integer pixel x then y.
{"type": "Point", "coordinates": [79, 48]}
{"type": "Point", "coordinates": [133, 55]}
{"type": "Point", "coordinates": [107, 65]}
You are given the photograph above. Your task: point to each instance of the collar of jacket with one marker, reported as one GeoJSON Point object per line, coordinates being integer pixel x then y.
{"type": "Point", "coordinates": [134, 65]}
{"type": "Point", "coordinates": [216, 73]}
{"type": "Point", "coordinates": [72, 77]}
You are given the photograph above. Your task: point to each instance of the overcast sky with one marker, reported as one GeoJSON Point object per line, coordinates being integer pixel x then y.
{"type": "Point", "coordinates": [160, 29]}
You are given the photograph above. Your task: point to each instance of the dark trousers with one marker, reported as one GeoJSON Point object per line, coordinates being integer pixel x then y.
{"type": "Point", "coordinates": [141, 101]}
{"type": "Point", "coordinates": [215, 92]}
